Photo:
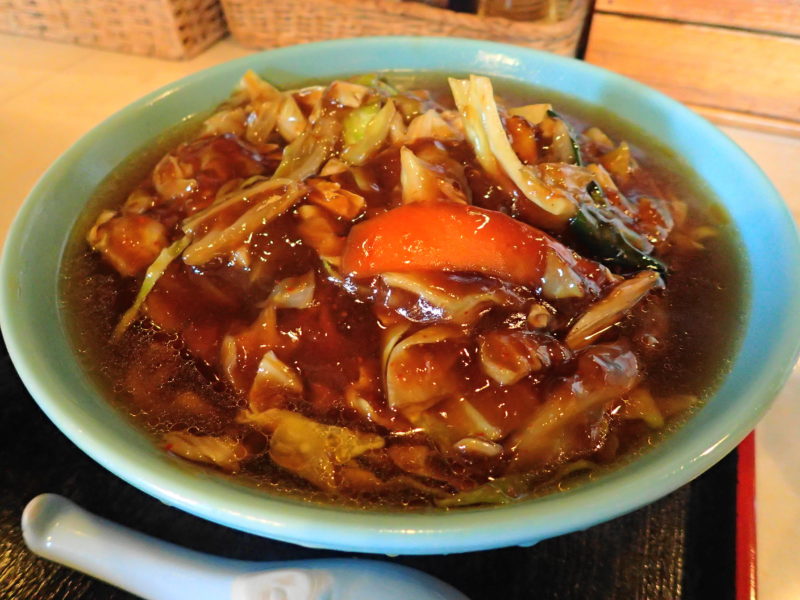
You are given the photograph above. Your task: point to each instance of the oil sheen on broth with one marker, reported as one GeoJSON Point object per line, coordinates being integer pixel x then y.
{"type": "Point", "coordinates": [354, 301]}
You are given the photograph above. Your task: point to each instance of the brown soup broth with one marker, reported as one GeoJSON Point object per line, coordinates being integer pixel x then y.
{"type": "Point", "coordinates": [167, 382]}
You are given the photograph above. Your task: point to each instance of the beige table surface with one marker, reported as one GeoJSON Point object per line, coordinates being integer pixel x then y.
{"type": "Point", "coordinates": [51, 94]}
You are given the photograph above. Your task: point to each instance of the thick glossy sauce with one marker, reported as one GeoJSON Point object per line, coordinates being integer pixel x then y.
{"type": "Point", "coordinates": [168, 377]}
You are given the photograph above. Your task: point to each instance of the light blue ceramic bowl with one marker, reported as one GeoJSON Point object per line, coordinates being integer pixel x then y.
{"type": "Point", "coordinates": [34, 330]}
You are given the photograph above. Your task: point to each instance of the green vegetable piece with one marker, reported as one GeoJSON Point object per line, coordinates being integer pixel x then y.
{"type": "Point", "coordinates": [355, 124]}
{"type": "Point", "coordinates": [499, 491]}
{"type": "Point", "coordinates": [312, 450]}
{"type": "Point", "coordinates": [331, 272]}
{"type": "Point", "coordinates": [305, 155]}
{"type": "Point", "coordinates": [577, 156]}
{"type": "Point", "coordinates": [608, 244]}
{"type": "Point", "coordinates": [376, 82]}
{"type": "Point", "coordinates": [597, 194]}
{"type": "Point", "coordinates": [408, 106]}
{"type": "Point", "coordinates": [153, 274]}
{"type": "Point", "coordinates": [375, 133]}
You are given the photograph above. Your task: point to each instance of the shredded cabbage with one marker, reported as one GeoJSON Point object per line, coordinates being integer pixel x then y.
{"type": "Point", "coordinates": [430, 124]}
{"type": "Point", "coordinates": [475, 100]}
{"type": "Point", "coordinates": [330, 195]}
{"type": "Point", "coordinates": [215, 243]}
{"type": "Point", "coordinates": [334, 166]}
{"type": "Point", "coordinates": [608, 311]}
{"type": "Point", "coordinates": [606, 373]}
{"type": "Point", "coordinates": [311, 98]}
{"type": "Point", "coordinates": [457, 303]}
{"type": "Point", "coordinates": [376, 82]}
{"type": "Point", "coordinates": [153, 274]}
{"type": "Point", "coordinates": [532, 113]}
{"type": "Point", "coordinates": [226, 121]}
{"type": "Point", "coordinates": [375, 134]}
{"type": "Point", "coordinates": [397, 130]}
{"type": "Point", "coordinates": [274, 373]}
{"type": "Point", "coordinates": [257, 89]}
{"type": "Point", "coordinates": [262, 120]}
{"type": "Point", "coordinates": [294, 292]}
{"type": "Point", "coordinates": [470, 109]}
{"type": "Point", "coordinates": [318, 229]}
{"type": "Point", "coordinates": [249, 190]}
{"type": "Point", "coordinates": [411, 390]}
{"type": "Point", "coordinates": [347, 93]}
{"type": "Point", "coordinates": [290, 120]}
{"type": "Point", "coordinates": [508, 356]}
{"type": "Point", "coordinates": [501, 490]}
{"type": "Point", "coordinates": [222, 451]}
{"type": "Point", "coordinates": [641, 405]}
{"type": "Point", "coordinates": [420, 181]}
{"type": "Point", "coordinates": [173, 179]}
{"type": "Point", "coordinates": [390, 338]}
{"type": "Point", "coordinates": [355, 124]}
{"type": "Point", "coordinates": [453, 419]}
{"type": "Point", "coordinates": [306, 154]}
{"type": "Point", "coordinates": [312, 450]}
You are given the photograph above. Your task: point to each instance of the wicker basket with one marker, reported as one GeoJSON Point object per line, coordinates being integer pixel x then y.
{"type": "Point", "coordinates": [163, 28]}
{"type": "Point", "coordinates": [269, 23]}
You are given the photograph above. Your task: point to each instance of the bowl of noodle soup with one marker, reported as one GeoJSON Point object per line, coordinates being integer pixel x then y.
{"type": "Point", "coordinates": [403, 296]}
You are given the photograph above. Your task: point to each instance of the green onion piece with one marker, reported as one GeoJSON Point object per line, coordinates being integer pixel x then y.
{"type": "Point", "coordinates": [355, 124]}
{"type": "Point", "coordinates": [153, 274]}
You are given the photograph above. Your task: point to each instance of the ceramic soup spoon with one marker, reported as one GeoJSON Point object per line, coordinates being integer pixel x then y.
{"type": "Point", "coordinates": [61, 531]}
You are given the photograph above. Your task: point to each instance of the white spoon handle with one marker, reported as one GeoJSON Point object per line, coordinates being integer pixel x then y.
{"type": "Point", "coordinates": [59, 530]}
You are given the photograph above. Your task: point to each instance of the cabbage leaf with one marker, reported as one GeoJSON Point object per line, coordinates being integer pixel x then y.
{"type": "Point", "coordinates": [607, 311]}
{"type": "Point", "coordinates": [375, 134]}
{"type": "Point", "coordinates": [215, 243]}
{"type": "Point", "coordinates": [475, 100]}
{"type": "Point", "coordinates": [312, 450]}
{"type": "Point", "coordinates": [222, 451]}
{"type": "Point", "coordinates": [151, 277]}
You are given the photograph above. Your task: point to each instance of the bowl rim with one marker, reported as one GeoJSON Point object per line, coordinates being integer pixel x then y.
{"type": "Point", "coordinates": [465, 529]}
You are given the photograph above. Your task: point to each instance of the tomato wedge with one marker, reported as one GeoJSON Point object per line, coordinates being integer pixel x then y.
{"type": "Point", "coordinates": [447, 236]}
